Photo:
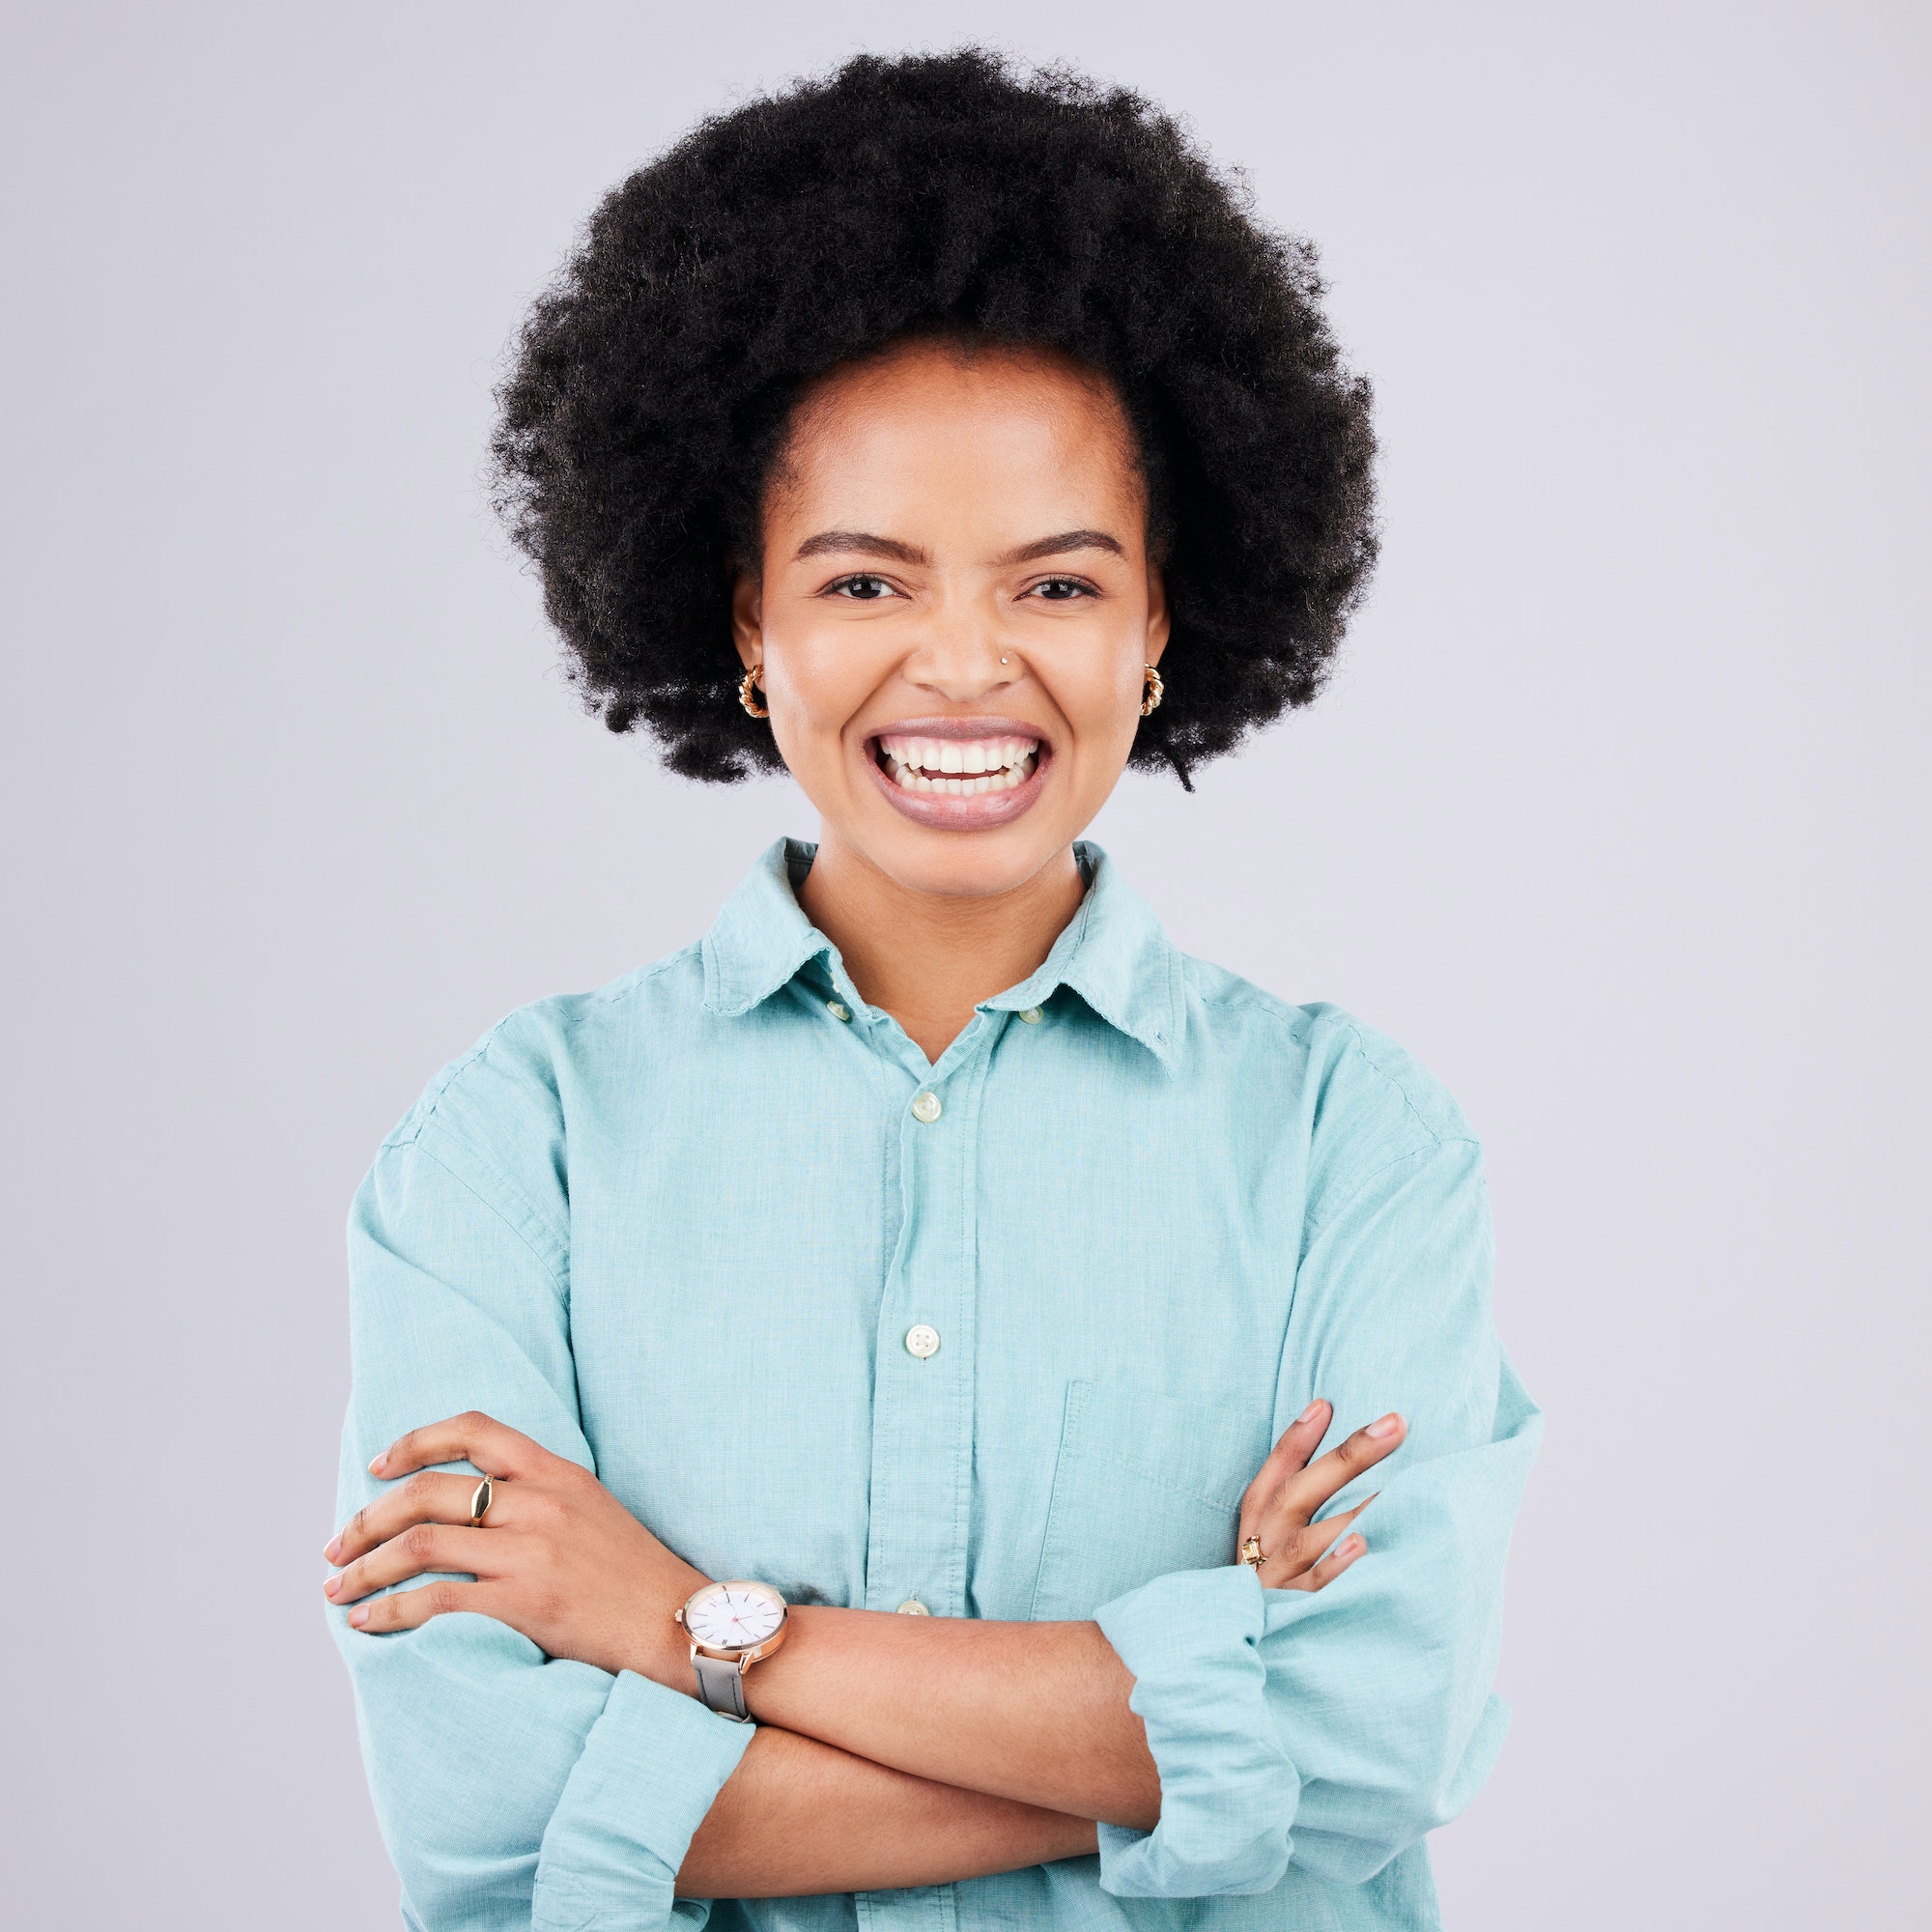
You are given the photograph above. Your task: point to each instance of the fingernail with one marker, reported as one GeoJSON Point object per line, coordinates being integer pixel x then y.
{"type": "Point", "coordinates": [330, 1588]}
{"type": "Point", "coordinates": [1381, 1431]}
{"type": "Point", "coordinates": [360, 1615]}
{"type": "Point", "coordinates": [333, 1550]}
{"type": "Point", "coordinates": [1354, 1546]}
{"type": "Point", "coordinates": [1313, 1409]}
{"type": "Point", "coordinates": [375, 1463]}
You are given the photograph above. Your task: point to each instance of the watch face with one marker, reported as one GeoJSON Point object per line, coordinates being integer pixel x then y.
{"type": "Point", "coordinates": [734, 1616]}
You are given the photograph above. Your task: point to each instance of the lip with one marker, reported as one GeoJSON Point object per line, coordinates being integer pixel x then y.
{"type": "Point", "coordinates": [944, 812]}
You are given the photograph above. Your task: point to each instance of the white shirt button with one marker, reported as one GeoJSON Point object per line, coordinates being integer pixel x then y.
{"type": "Point", "coordinates": [913, 1608]}
{"type": "Point", "coordinates": [922, 1341]}
{"type": "Point", "coordinates": [1033, 1015]}
{"type": "Point", "coordinates": [838, 1010]}
{"type": "Point", "coordinates": [927, 1108]}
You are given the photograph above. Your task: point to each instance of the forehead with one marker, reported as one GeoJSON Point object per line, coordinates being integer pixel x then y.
{"type": "Point", "coordinates": [933, 419]}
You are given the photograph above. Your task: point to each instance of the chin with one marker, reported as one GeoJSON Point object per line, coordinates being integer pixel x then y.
{"type": "Point", "coordinates": [959, 864]}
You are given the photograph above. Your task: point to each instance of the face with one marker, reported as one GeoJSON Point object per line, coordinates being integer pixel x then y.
{"type": "Point", "coordinates": [954, 610]}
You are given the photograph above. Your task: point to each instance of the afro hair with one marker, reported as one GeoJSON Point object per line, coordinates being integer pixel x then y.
{"type": "Point", "coordinates": [948, 194]}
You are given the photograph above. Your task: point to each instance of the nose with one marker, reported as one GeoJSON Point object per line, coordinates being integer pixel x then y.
{"type": "Point", "coordinates": [959, 657]}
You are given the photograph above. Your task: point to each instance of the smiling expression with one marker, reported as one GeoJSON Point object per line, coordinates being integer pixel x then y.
{"type": "Point", "coordinates": [955, 607]}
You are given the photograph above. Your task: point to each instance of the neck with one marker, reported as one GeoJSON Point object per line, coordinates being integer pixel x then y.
{"type": "Point", "coordinates": [929, 958]}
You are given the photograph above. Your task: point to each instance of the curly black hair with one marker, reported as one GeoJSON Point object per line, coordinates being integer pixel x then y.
{"type": "Point", "coordinates": [946, 195]}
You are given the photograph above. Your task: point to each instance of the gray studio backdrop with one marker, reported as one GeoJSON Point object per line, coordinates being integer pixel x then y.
{"type": "Point", "coordinates": [1615, 816]}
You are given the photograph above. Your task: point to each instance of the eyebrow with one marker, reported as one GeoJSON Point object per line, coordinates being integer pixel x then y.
{"type": "Point", "coordinates": [829, 542]}
{"type": "Point", "coordinates": [1067, 540]}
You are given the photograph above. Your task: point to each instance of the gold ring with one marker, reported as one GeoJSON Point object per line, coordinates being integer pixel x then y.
{"type": "Point", "coordinates": [480, 1499]}
{"type": "Point", "coordinates": [1251, 1553]}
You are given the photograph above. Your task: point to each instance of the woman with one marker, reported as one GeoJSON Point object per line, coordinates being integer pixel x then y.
{"type": "Point", "coordinates": [899, 1333]}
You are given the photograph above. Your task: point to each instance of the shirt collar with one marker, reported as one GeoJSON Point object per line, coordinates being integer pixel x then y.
{"type": "Point", "coordinates": [761, 937]}
{"type": "Point", "coordinates": [1113, 953]}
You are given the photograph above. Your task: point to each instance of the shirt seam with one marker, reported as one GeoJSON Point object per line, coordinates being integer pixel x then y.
{"type": "Point", "coordinates": [1369, 1059]}
{"type": "Point", "coordinates": [610, 995]}
{"type": "Point", "coordinates": [1434, 1144]}
{"type": "Point", "coordinates": [469, 1186]}
{"type": "Point", "coordinates": [409, 1129]}
{"type": "Point", "coordinates": [1295, 1021]}
{"type": "Point", "coordinates": [1168, 1486]}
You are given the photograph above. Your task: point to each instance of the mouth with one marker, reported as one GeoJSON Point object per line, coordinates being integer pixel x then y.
{"type": "Point", "coordinates": [961, 773]}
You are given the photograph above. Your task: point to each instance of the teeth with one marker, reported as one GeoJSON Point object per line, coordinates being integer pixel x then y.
{"type": "Point", "coordinates": [908, 780]}
{"type": "Point", "coordinates": [982, 764]}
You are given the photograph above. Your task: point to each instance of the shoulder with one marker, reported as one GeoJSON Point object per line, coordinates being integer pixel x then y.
{"type": "Point", "coordinates": [509, 1096]}
{"type": "Point", "coordinates": [1372, 1071]}
{"type": "Point", "coordinates": [1363, 1100]}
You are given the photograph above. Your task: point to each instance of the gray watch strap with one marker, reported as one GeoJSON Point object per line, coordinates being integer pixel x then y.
{"type": "Point", "coordinates": [722, 1685]}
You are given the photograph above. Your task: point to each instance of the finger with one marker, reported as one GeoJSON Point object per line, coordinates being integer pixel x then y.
{"type": "Point", "coordinates": [1297, 1443]}
{"type": "Point", "coordinates": [411, 1610]}
{"type": "Point", "coordinates": [479, 1438]}
{"type": "Point", "coordinates": [426, 1546]}
{"type": "Point", "coordinates": [1326, 1571]}
{"type": "Point", "coordinates": [425, 1497]}
{"type": "Point", "coordinates": [1303, 1495]}
{"type": "Point", "coordinates": [1297, 1547]}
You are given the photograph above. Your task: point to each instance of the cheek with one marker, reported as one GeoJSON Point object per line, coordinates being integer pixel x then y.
{"type": "Point", "coordinates": [1101, 698]}
{"type": "Point", "coordinates": [816, 681]}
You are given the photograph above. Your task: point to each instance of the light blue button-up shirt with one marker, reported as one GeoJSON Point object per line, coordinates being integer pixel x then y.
{"type": "Point", "coordinates": [681, 1229]}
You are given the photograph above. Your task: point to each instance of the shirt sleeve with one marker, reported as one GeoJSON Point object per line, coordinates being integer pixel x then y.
{"type": "Point", "coordinates": [1335, 1728]}
{"type": "Point", "coordinates": [511, 1790]}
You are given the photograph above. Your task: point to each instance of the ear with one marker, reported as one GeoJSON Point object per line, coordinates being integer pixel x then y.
{"type": "Point", "coordinates": [748, 625]}
{"type": "Point", "coordinates": [1160, 622]}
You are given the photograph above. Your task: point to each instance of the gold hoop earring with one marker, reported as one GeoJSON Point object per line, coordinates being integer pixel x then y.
{"type": "Point", "coordinates": [747, 685]}
{"type": "Point", "coordinates": [1151, 693]}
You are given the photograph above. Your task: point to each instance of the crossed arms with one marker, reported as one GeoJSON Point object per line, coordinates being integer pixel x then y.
{"type": "Point", "coordinates": [891, 1750]}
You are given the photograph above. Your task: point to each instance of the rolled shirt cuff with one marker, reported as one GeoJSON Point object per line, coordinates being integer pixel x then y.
{"type": "Point", "coordinates": [653, 1766]}
{"type": "Point", "coordinates": [1228, 1792]}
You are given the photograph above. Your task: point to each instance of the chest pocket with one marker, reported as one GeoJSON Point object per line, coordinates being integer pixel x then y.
{"type": "Point", "coordinates": [1145, 1484]}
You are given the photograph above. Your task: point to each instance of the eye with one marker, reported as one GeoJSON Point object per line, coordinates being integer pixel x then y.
{"type": "Point", "coordinates": [863, 588]}
{"type": "Point", "coordinates": [1061, 589]}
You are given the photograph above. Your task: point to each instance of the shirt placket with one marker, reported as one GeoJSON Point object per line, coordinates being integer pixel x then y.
{"type": "Point", "coordinates": [921, 1503]}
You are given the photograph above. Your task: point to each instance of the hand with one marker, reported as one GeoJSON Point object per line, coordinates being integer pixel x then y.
{"type": "Point", "coordinates": [1280, 1501]}
{"type": "Point", "coordinates": [557, 1556]}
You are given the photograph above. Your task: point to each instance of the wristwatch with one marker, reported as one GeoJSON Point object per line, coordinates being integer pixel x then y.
{"type": "Point", "coordinates": [731, 1626]}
